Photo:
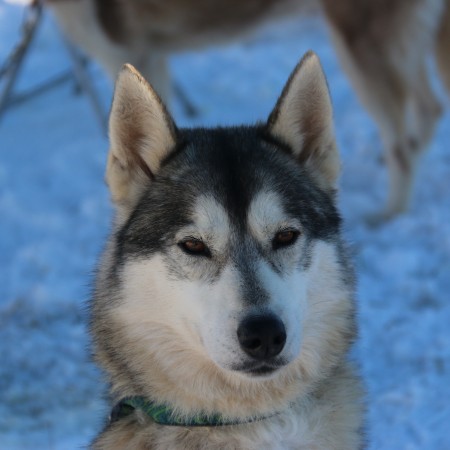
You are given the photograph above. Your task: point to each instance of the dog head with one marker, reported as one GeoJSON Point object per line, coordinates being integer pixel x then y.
{"type": "Point", "coordinates": [224, 282]}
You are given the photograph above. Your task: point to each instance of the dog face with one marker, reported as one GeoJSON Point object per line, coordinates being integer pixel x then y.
{"type": "Point", "coordinates": [222, 243]}
{"type": "Point", "coordinates": [226, 256]}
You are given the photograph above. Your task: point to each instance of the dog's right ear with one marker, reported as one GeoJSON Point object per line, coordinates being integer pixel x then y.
{"type": "Point", "coordinates": [142, 134]}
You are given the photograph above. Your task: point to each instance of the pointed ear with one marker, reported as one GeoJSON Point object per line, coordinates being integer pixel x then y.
{"type": "Point", "coordinates": [142, 134]}
{"type": "Point", "coordinates": [303, 119]}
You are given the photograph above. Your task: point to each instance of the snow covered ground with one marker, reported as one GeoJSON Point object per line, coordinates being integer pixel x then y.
{"type": "Point", "coordinates": [55, 212]}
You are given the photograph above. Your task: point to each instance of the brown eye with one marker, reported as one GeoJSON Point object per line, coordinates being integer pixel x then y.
{"type": "Point", "coordinates": [194, 247]}
{"type": "Point", "coordinates": [284, 238]}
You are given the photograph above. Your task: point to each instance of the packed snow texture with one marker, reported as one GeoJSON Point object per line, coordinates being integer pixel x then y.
{"type": "Point", "coordinates": [55, 215]}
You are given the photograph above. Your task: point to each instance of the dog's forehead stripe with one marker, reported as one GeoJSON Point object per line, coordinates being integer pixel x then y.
{"type": "Point", "coordinates": [208, 213]}
{"type": "Point", "coordinates": [211, 220]}
{"type": "Point", "coordinates": [265, 211]}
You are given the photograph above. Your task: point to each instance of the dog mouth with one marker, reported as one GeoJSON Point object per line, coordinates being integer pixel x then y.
{"type": "Point", "coordinates": [260, 369]}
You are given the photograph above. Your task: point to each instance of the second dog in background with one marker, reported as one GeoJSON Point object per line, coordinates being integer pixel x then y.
{"type": "Point", "coordinates": [383, 46]}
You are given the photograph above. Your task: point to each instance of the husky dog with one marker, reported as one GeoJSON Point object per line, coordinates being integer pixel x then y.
{"type": "Point", "coordinates": [223, 308]}
{"type": "Point", "coordinates": [383, 45]}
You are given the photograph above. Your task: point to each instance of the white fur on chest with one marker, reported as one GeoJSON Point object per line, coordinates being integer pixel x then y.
{"type": "Point", "coordinates": [326, 420]}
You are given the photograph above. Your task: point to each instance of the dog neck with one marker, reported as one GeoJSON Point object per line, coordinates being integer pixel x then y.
{"type": "Point", "coordinates": [165, 415]}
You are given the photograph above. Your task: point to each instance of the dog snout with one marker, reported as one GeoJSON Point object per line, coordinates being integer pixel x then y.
{"type": "Point", "coordinates": [262, 336]}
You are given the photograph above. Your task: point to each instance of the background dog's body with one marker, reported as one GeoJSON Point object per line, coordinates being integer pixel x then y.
{"type": "Point", "coordinates": [383, 45]}
{"type": "Point", "coordinates": [225, 288]}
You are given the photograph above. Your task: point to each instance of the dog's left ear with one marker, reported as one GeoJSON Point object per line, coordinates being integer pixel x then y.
{"type": "Point", "coordinates": [142, 133]}
{"type": "Point", "coordinates": [303, 120]}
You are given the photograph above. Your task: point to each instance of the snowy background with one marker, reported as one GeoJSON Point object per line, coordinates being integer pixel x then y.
{"type": "Point", "coordinates": [55, 214]}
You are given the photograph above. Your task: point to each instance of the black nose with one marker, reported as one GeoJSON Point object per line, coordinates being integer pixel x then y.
{"type": "Point", "coordinates": [262, 336]}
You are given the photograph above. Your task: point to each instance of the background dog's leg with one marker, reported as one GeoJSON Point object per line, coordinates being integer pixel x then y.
{"type": "Point", "coordinates": [391, 80]}
{"type": "Point", "coordinates": [443, 47]}
{"type": "Point", "coordinates": [78, 20]}
{"type": "Point", "coordinates": [188, 106]}
{"type": "Point", "coordinates": [424, 111]}
{"type": "Point", "coordinates": [385, 96]}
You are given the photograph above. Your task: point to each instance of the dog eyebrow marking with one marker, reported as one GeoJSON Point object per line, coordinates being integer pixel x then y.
{"type": "Point", "coordinates": [266, 216]}
{"type": "Point", "coordinates": [211, 222]}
